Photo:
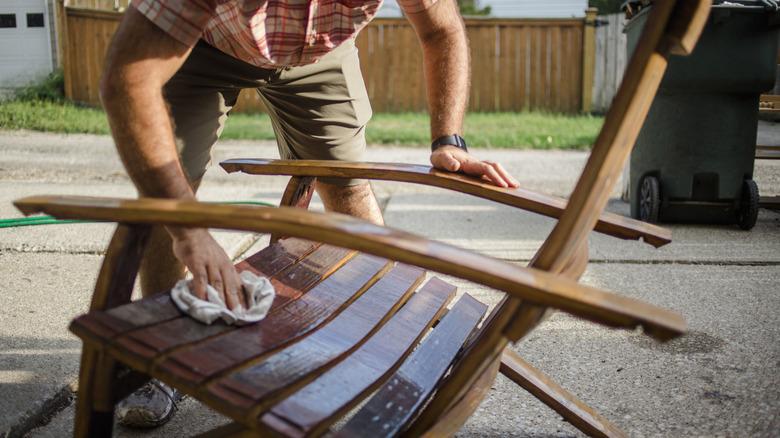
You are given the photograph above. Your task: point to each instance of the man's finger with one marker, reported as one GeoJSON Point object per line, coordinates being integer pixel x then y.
{"type": "Point", "coordinates": [491, 174]}
{"type": "Point", "coordinates": [510, 181]}
{"type": "Point", "coordinates": [215, 280]}
{"type": "Point", "coordinates": [233, 291]}
{"type": "Point", "coordinates": [198, 283]}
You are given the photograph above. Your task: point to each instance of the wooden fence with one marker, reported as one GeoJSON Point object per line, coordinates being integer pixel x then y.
{"type": "Point", "coordinates": [516, 64]}
{"type": "Point", "coordinates": [610, 60]}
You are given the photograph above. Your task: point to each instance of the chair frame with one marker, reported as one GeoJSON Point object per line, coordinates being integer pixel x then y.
{"type": "Point", "coordinates": [673, 27]}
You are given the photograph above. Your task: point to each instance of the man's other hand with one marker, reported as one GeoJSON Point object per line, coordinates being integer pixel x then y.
{"type": "Point", "coordinates": [454, 159]}
{"type": "Point", "coordinates": [209, 264]}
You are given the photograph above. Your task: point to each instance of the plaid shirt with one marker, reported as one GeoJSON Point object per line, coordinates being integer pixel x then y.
{"type": "Point", "coordinates": [267, 33]}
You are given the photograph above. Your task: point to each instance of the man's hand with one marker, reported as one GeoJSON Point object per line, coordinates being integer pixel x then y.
{"type": "Point", "coordinates": [454, 159]}
{"type": "Point", "coordinates": [209, 264]}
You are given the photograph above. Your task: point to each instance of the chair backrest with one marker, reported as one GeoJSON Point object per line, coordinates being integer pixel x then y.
{"type": "Point", "coordinates": [672, 27]}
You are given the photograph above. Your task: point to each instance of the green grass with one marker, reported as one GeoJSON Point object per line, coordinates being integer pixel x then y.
{"type": "Point", "coordinates": [531, 130]}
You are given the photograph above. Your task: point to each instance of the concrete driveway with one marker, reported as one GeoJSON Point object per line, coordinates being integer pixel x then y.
{"type": "Point", "coordinates": [719, 380]}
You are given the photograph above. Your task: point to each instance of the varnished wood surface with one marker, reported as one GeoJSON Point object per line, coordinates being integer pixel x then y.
{"type": "Point", "coordinates": [528, 284]}
{"type": "Point", "coordinates": [160, 308]}
{"type": "Point", "coordinates": [259, 384]}
{"type": "Point", "coordinates": [609, 223]}
{"type": "Point", "coordinates": [139, 347]}
{"type": "Point", "coordinates": [553, 395]}
{"type": "Point", "coordinates": [195, 364]}
{"type": "Point", "coordinates": [394, 406]}
{"type": "Point", "coordinates": [311, 409]}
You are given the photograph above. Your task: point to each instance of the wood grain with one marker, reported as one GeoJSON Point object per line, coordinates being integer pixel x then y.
{"type": "Point", "coordinates": [193, 365]}
{"type": "Point", "coordinates": [140, 347]}
{"type": "Point", "coordinates": [260, 384]}
{"type": "Point", "coordinates": [315, 406]}
{"type": "Point", "coordinates": [531, 285]}
{"type": "Point", "coordinates": [608, 223]}
{"type": "Point", "coordinates": [396, 403]}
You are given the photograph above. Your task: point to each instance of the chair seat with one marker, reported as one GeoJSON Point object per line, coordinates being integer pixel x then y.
{"type": "Point", "coordinates": [342, 323]}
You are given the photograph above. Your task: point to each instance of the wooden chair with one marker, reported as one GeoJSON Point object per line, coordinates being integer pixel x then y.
{"type": "Point", "coordinates": [350, 320]}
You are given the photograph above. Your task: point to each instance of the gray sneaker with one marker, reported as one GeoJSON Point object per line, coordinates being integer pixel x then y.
{"type": "Point", "coordinates": [150, 406]}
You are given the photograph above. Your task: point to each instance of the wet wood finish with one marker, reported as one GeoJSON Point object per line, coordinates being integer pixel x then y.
{"type": "Point", "coordinates": [193, 365]}
{"type": "Point", "coordinates": [393, 406]}
{"type": "Point", "coordinates": [582, 416]}
{"type": "Point", "coordinates": [311, 410]}
{"type": "Point", "coordinates": [530, 285]}
{"type": "Point", "coordinates": [101, 326]}
{"type": "Point", "coordinates": [533, 286]}
{"type": "Point", "coordinates": [608, 223]}
{"type": "Point", "coordinates": [140, 347]}
{"type": "Point", "coordinates": [261, 384]}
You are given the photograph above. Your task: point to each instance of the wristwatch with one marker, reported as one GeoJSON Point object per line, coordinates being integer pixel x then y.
{"type": "Point", "coordinates": [449, 140]}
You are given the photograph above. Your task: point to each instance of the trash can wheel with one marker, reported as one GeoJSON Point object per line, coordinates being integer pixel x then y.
{"type": "Point", "coordinates": [748, 208]}
{"type": "Point", "coordinates": [649, 199]}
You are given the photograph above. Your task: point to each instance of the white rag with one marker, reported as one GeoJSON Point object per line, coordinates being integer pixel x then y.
{"type": "Point", "coordinates": [259, 294]}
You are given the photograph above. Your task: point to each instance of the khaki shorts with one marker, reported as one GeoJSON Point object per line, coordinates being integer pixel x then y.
{"type": "Point", "coordinates": [318, 111]}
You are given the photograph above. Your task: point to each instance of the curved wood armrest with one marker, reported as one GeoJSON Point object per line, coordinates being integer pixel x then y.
{"type": "Point", "coordinates": [609, 223]}
{"type": "Point", "coordinates": [528, 284]}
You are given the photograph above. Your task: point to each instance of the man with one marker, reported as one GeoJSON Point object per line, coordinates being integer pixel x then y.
{"type": "Point", "coordinates": [195, 56]}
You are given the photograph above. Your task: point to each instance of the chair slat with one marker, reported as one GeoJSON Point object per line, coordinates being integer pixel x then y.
{"type": "Point", "coordinates": [393, 406]}
{"type": "Point", "coordinates": [192, 366]}
{"type": "Point", "coordinates": [140, 347]}
{"type": "Point", "coordinates": [101, 326]}
{"type": "Point", "coordinates": [313, 408]}
{"type": "Point", "coordinates": [264, 383]}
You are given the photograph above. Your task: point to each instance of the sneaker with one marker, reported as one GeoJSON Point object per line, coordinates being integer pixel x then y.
{"type": "Point", "coordinates": [151, 405]}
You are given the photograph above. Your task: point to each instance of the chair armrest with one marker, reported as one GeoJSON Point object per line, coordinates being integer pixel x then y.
{"type": "Point", "coordinates": [339, 230]}
{"type": "Point", "coordinates": [609, 223]}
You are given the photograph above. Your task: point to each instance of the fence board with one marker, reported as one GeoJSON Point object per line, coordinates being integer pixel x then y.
{"type": "Point", "coordinates": [610, 60]}
{"type": "Point", "coordinates": [516, 64]}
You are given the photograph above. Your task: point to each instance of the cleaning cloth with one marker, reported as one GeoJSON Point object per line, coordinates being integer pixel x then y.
{"type": "Point", "coordinates": [259, 293]}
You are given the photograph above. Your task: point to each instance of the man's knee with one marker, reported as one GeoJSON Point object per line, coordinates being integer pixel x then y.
{"type": "Point", "coordinates": [355, 200]}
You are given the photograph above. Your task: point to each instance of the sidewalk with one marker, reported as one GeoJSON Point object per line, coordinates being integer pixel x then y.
{"type": "Point", "coordinates": [721, 379]}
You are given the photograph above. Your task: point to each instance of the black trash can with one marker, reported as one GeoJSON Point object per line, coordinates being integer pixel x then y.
{"type": "Point", "coordinates": [693, 160]}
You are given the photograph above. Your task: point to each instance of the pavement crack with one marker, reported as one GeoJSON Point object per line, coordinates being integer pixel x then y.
{"type": "Point", "coordinates": [43, 414]}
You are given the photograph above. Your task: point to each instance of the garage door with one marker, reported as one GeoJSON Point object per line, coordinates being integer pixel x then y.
{"type": "Point", "coordinates": [25, 49]}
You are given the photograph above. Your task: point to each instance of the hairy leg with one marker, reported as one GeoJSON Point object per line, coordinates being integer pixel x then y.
{"type": "Point", "coordinates": [358, 201]}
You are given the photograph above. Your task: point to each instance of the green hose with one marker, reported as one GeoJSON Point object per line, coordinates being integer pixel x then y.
{"type": "Point", "coordinates": [49, 220]}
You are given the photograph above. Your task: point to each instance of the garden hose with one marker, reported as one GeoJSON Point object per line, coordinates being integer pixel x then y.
{"type": "Point", "coordinates": [49, 220]}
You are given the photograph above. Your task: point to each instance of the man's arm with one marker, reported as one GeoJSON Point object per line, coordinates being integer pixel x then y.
{"type": "Point", "coordinates": [140, 60]}
{"type": "Point", "coordinates": [442, 36]}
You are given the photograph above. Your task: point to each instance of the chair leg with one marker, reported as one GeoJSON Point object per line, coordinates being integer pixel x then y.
{"type": "Point", "coordinates": [94, 401]}
{"type": "Point", "coordinates": [576, 412]}
{"type": "Point", "coordinates": [298, 194]}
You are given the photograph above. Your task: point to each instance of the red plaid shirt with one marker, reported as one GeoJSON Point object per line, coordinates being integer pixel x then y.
{"type": "Point", "coordinates": [267, 33]}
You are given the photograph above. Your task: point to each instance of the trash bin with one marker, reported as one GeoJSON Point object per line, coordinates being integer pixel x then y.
{"type": "Point", "coordinates": [693, 160]}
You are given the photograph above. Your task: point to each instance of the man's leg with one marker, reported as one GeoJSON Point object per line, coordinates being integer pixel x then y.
{"type": "Point", "coordinates": [356, 200]}
{"type": "Point", "coordinates": [319, 112]}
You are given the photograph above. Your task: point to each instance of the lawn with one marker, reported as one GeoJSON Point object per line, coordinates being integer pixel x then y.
{"type": "Point", "coordinates": [530, 130]}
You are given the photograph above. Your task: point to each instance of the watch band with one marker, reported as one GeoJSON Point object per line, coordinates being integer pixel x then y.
{"type": "Point", "coordinates": [449, 140]}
